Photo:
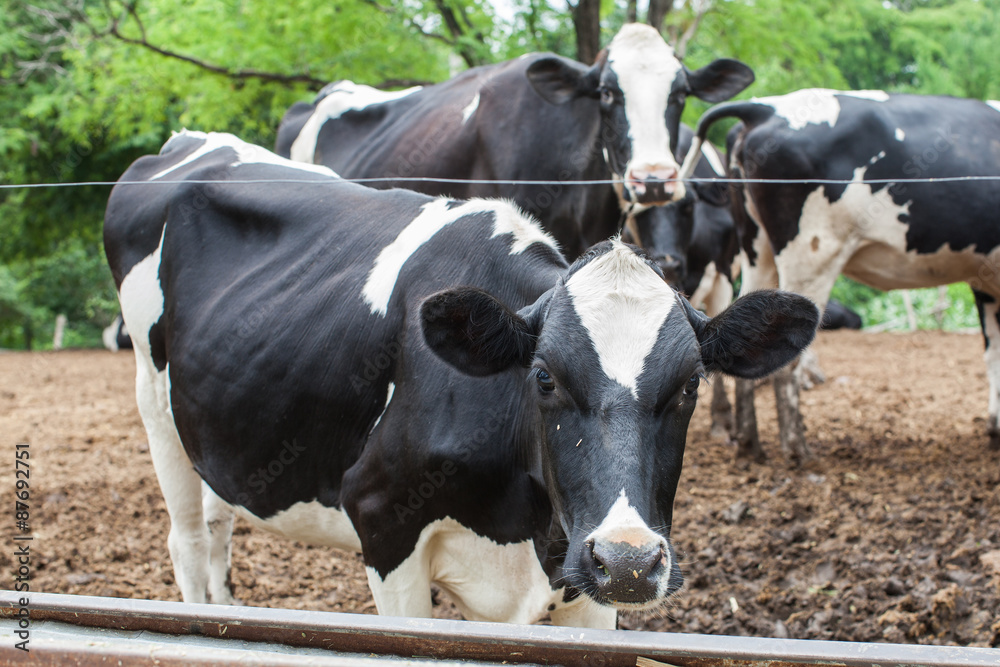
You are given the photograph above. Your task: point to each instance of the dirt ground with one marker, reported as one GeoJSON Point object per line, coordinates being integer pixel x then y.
{"type": "Point", "coordinates": [893, 535]}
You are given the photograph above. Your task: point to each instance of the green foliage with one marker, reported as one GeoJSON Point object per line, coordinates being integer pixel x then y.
{"type": "Point", "coordinates": [888, 309]}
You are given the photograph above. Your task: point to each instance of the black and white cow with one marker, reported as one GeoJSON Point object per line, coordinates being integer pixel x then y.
{"type": "Point", "coordinates": [426, 380]}
{"type": "Point", "coordinates": [889, 235]}
{"type": "Point", "coordinates": [540, 117]}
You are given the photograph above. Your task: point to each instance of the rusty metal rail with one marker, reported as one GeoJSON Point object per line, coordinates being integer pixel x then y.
{"type": "Point", "coordinates": [286, 637]}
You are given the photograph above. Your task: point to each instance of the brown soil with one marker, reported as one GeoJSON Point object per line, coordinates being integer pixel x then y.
{"type": "Point", "coordinates": [893, 535]}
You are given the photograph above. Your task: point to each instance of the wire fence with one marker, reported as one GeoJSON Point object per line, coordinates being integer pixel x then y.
{"type": "Point", "coordinates": [476, 181]}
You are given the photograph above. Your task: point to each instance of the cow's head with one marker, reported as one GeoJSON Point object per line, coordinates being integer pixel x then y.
{"type": "Point", "coordinates": [665, 232]}
{"type": "Point", "coordinates": [612, 359]}
{"type": "Point", "coordinates": [641, 87]}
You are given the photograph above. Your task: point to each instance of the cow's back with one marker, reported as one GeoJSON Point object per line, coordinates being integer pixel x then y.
{"type": "Point", "coordinates": [486, 124]}
{"type": "Point", "coordinates": [286, 306]}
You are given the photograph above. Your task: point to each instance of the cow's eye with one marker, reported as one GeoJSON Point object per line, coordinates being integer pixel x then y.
{"type": "Point", "coordinates": [545, 382]}
{"type": "Point", "coordinates": [691, 388]}
{"type": "Point", "coordinates": [607, 96]}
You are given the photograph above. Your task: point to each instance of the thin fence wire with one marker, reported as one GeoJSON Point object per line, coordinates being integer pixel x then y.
{"type": "Point", "coordinates": [475, 181]}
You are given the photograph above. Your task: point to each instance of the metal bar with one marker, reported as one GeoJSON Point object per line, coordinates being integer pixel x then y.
{"type": "Point", "coordinates": [462, 640]}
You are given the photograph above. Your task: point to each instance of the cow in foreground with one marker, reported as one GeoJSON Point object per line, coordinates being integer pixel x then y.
{"type": "Point", "coordinates": [540, 117]}
{"type": "Point", "coordinates": [890, 235]}
{"type": "Point", "coordinates": [425, 380]}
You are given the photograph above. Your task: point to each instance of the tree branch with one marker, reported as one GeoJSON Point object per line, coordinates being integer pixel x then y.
{"type": "Point", "coordinates": [658, 10]}
{"type": "Point", "coordinates": [276, 77]}
{"type": "Point", "coordinates": [702, 7]}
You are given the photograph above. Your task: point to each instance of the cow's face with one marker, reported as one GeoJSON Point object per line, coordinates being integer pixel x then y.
{"type": "Point", "coordinates": [666, 232]}
{"type": "Point", "coordinates": [641, 88]}
{"type": "Point", "coordinates": [612, 360]}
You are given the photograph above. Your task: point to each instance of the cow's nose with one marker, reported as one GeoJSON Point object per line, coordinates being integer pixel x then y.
{"type": "Point", "coordinates": [672, 268]}
{"type": "Point", "coordinates": [652, 183]}
{"type": "Point", "coordinates": [625, 572]}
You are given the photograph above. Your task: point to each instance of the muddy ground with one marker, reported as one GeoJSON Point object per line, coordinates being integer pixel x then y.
{"type": "Point", "coordinates": [893, 535]}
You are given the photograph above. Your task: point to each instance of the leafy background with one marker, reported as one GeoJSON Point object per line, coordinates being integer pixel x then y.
{"type": "Point", "coordinates": [90, 85]}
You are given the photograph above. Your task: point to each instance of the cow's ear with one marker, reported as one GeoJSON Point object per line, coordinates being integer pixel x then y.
{"type": "Point", "coordinates": [758, 334]}
{"type": "Point", "coordinates": [559, 80]}
{"type": "Point", "coordinates": [719, 80]}
{"type": "Point", "coordinates": [472, 331]}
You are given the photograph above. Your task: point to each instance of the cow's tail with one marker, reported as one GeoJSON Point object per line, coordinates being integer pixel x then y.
{"type": "Point", "coordinates": [751, 113]}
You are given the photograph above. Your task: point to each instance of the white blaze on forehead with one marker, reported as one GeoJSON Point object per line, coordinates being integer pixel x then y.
{"type": "Point", "coordinates": [434, 217]}
{"type": "Point", "coordinates": [815, 106]}
{"type": "Point", "coordinates": [623, 524]}
{"type": "Point", "coordinates": [622, 304]}
{"type": "Point", "coordinates": [345, 96]}
{"type": "Point", "coordinates": [470, 109]}
{"type": "Point", "coordinates": [646, 68]}
{"type": "Point", "coordinates": [245, 153]}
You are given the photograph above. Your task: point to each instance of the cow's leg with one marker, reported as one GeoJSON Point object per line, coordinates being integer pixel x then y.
{"type": "Point", "coordinates": [989, 318]}
{"type": "Point", "coordinates": [808, 265]}
{"type": "Point", "coordinates": [790, 426]}
{"type": "Point", "coordinates": [180, 484]}
{"type": "Point", "coordinates": [715, 299]}
{"type": "Point", "coordinates": [219, 519]}
{"type": "Point", "coordinates": [747, 437]}
{"type": "Point", "coordinates": [762, 274]}
{"type": "Point", "coordinates": [584, 613]}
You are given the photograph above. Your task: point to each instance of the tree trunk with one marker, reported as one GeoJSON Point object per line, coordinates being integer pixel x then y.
{"type": "Point", "coordinates": [587, 21]}
{"type": "Point", "coordinates": [57, 336]}
{"type": "Point", "coordinates": [630, 12]}
{"type": "Point", "coordinates": [658, 10]}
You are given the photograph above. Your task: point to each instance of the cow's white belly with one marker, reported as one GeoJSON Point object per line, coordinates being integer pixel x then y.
{"type": "Point", "coordinates": [309, 523]}
{"type": "Point", "coordinates": [886, 267]}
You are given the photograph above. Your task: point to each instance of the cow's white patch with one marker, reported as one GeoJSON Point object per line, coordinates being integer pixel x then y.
{"type": "Point", "coordinates": [994, 103]}
{"type": "Point", "coordinates": [900, 134]}
{"type": "Point", "coordinates": [622, 303]}
{"type": "Point", "coordinates": [646, 68]}
{"type": "Point", "coordinates": [435, 216]}
{"type": "Point", "coordinates": [345, 96]}
{"type": "Point", "coordinates": [310, 523]}
{"type": "Point", "coordinates": [388, 399]}
{"type": "Point", "coordinates": [470, 109]}
{"type": "Point", "coordinates": [815, 106]}
{"type": "Point", "coordinates": [876, 158]}
{"type": "Point", "coordinates": [141, 298]}
{"type": "Point", "coordinates": [245, 153]}
{"type": "Point", "coordinates": [524, 230]}
{"type": "Point", "coordinates": [621, 521]}
{"type": "Point", "coordinates": [713, 159]}
{"type": "Point", "coordinates": [487, 581]}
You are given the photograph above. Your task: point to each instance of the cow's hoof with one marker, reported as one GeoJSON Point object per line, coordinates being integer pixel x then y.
{"type": "Point", "coordinates": [720, 432]}
{"type": "Point", "coordinates": [994, 441]}
{"type": "Point", "coordinates": [748, 452]}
